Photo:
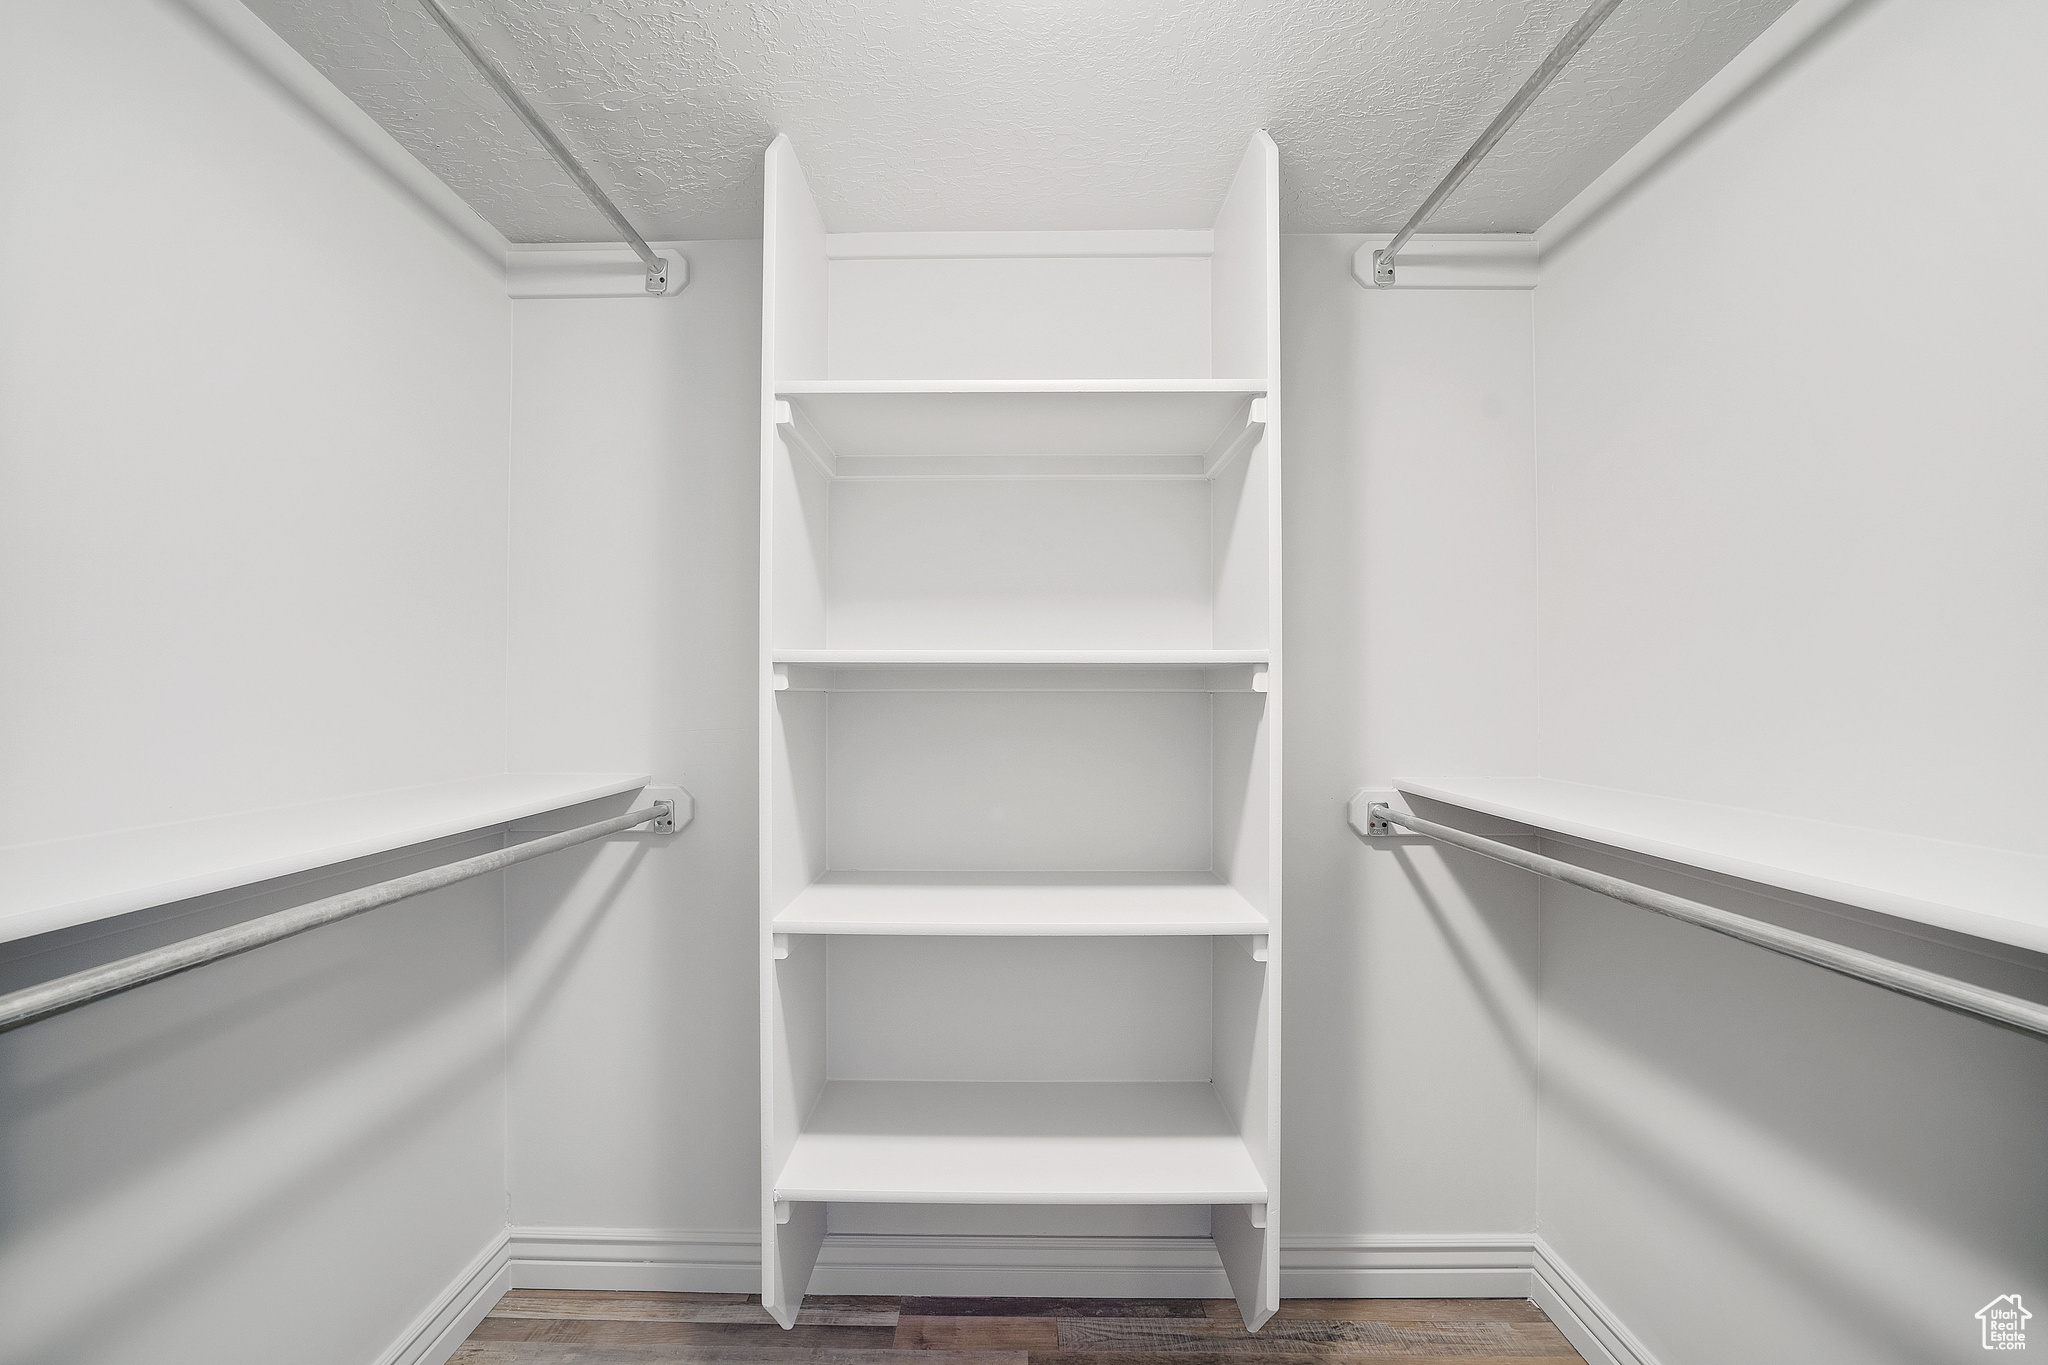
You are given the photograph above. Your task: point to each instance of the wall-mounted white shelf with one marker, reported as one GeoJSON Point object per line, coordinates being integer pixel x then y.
{"type": "Point", "coordinates": [1074, 904]}
{"type": "Point", "coordinates": [1032, 1142]}
{"type": "Point", "coordinates": [1182, 427]}
{"type": "Point", "coordinates": [1021, 670]}
{"type": "Point", "coordinates": [67, 882]}
{"type": "Point", "coordinates": [1990, 893]}
{"type": "Point", "coordinates": [1012, 658]}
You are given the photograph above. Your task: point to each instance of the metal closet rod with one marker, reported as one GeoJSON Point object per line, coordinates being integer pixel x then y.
{"type": "Point", "coordinates": [97, 983]}
{"type": "Point", "coordinates": [657, 266]}
{"type": "Point", "coordinates": [1932, 987]}
{"type": "Point", "coordinates": [1574, 38]}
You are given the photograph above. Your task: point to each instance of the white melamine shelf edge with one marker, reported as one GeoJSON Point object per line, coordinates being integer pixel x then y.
{"type": "Point", "coordinates": [1015, 427]}
{"type": "Point", "coordinates": [68, 882]}
{"type": "Point", "coordinates": [876, 246]}
{"type": "Point", "coordinates": [1989, 893]}
{"type": "Point", "coordinates": [1021, 904]}
{"type": "Point", "coordinates": [798, 388]}
{"type": "Point", "coordinates": [1066, 658]}
{"type": "Point", "coordinates": [1020, 1142]}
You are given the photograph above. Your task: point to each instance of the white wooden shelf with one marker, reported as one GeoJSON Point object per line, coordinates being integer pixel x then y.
{"type": "Point", "coordinates": [1077, 904]}
{"type": "Point", "coordinates": [1005, 1142]}
{"type": "Point", "coordinates": [1020, 670]}
{"type": "Point", "coordinates": [1006, 426]}
{"type": "Point", "coordinates": [1989, 893]}
{"type": "Point", "coordinates": [67, 882]}
{"type": "Point", "coordinates": [1022, 658]}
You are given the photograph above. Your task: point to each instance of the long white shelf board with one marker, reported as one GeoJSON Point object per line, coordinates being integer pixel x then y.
{"type": "Point", "coordinates": [66, 882]}
{"type": "Point", "coordinates": [1013, 658]}
{"type": "Point", "coordinates": [1019, 904]}
{"type": "Point", "coordinates": [1989, 893]}
{"type": "Point", "coordinates": [1030, 1142]}
{"type": "Point", "coordinates": [904, 421]}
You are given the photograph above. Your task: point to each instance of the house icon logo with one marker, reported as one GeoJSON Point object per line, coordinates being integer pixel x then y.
{"type": "Point", "coordinates": [2005, 1323]}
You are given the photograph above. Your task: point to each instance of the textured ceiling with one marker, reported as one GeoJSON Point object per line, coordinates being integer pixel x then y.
{"type": "Point", "coordinates": [988, 114]}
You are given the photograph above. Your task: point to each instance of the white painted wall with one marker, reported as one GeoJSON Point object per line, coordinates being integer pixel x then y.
{"type": "Point", "coordinates": [303, 1145]}
{"type": "Point", "coordinates": [1793, 486]}
{"type": "Point", "coordinates": [634, 620]}
{"type": "Point", "coordinates": [1411, 630]}
{"type": "Point", "coordinates": [252, 552]}
{"type": "Point", "coordinates": [1792, 422]}
{"type": "Point", "coordinates": [253, 524]}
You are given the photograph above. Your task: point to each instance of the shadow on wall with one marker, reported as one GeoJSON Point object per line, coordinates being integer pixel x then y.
{"type": "Point", "coordinates": [158, 1139]}
{"type": "Point", "coordinates": [1857, 1147]}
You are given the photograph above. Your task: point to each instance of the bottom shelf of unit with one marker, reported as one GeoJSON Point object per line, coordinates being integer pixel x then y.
{"type": "Point", "coordinates": [1020, 1142]}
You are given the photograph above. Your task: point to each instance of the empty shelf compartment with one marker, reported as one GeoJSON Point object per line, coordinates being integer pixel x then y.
{"type": "Point", "coordinates": [1011, 1142]}
{"type": "Point", "coordinates": [1020, 903]}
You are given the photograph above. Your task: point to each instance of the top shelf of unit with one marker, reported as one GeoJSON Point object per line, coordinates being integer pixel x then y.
{"type": "Point", "coordinates": [894, 427]}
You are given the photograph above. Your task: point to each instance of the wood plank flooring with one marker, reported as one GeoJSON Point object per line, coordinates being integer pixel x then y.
{"type": "Point", "coordinates": [576, 1327]}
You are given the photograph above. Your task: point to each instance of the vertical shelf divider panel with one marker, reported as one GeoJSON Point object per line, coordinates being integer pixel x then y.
{"type": "Point", "coordinates": [1020, 679]}
{"type": "Point", "coordinates": [1245, 547]}
{"type": "Point", "coordinates": [793, 304]}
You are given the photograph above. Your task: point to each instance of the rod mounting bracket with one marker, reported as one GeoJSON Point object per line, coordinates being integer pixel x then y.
{"type": "Point", "coordinates": [1368, 810]}
{"type": "Point", "coordinates": [678, 808]}
{"type": "Point", "coordinates": [1382, 269]}
{"type": "Point", "coordinates": [657, 276]}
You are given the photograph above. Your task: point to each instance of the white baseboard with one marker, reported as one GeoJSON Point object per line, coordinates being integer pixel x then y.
{"type": "Point", "coordinates": [670, 1259]}
{"type": "Point", "coordinates": [1591, 1327]}
{"type": "Point", "coordinates": [1430, 1266]}
{"type": "Point", "coordinates": [1425, 1266]}
{"type": "Point", "coordinates": [457, 1310]}
{"type": "Point", "coordinates": [1421, 1266]}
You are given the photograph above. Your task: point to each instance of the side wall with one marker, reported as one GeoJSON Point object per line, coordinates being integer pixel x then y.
{"type": "Point", "coordinates": [1792, 424]}
{"type": "Point", "coordinates": [1411, 644]}
{"type": "Point", "coordinates": [252, 552]}
{"type": "Point", "coordinates": [634, 487]}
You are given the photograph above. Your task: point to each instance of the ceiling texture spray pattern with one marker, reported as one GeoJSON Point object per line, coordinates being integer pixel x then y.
{"type": "Point", "coordinates": [1014, 114]}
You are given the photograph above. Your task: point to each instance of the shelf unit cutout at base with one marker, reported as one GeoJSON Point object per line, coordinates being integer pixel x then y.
{"type": "Point", "coordinates": [1077, 904]}
{"type": "Point", "coordinates": [1020, 1142]}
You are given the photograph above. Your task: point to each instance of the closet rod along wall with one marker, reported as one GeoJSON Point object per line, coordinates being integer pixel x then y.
{"type": "Point", "coordinates": [97, 983]}
{"type": "Point", "coordinates": [1567, 47]}
{"type": "Point", "coordinates": [657, 268]}
{"type": "Point", "coordinates": [1945, 991]}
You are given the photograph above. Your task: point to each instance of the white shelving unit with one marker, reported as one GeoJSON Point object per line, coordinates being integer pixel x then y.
{"type": "Point", "coordinates": [1020, 707]}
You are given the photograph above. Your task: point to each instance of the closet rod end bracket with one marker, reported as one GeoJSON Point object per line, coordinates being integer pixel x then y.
{"type": "Point", "coordinates": [1382, 269]}
{"type": "Point", "coordinates": [1368, 813]}
{"type": "Point", "coordinates": [678, 808]}
{"type": "Point", "coordinates": [657, 276]}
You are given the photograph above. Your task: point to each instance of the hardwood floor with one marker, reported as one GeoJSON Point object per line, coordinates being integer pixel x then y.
{"type": "Point", "coordinates": [574, 1327]}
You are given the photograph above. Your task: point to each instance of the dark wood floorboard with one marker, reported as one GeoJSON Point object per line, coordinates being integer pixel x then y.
{"type": "Point", "coordinates": [577, 1327]}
